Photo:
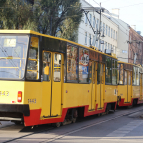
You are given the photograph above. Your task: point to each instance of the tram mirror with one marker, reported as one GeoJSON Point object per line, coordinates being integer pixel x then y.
{"type": "Point", "coordinates": [46, 70]}
{"type": "Point", "coordinates": [34, 42]}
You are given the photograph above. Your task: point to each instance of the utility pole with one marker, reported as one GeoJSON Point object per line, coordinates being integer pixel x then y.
{"type": "Point", "coordinates": [100, 28]}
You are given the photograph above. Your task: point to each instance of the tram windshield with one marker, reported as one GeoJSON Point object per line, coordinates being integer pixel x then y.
{"type": "Point", "coordinates": [13, 53]}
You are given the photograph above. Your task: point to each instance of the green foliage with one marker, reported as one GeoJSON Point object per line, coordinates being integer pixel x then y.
{"type": "Point", "coordinates": [54, 17]}
{"type": "Point", "coordinates": [16, 14]}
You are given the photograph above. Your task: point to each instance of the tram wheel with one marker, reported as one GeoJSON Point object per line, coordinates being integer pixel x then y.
{"type": "Point", "coordinates": [58, 124]}
{"type": "Point", "coordinates": [73, 120]}
{"type": "Point", "coordinates": [108, 108]}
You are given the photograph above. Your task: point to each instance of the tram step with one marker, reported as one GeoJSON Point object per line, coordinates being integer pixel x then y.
{"type": "Point", "coordinates": [100, 108]}
{"type": "Point", "coordinates": [127, 102]}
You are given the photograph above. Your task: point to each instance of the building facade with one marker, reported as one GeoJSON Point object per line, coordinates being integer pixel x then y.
{"type": "Point", "coordinates": [108, 37]}
{"type": "Point", "coordinates": [135, 47]}
{"type": "Point", "coordinates": [123, 36]}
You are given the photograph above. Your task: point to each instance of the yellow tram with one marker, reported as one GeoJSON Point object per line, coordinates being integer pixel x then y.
{"type": "Point", "coordinates": [130, 86]}
{"type": "Point", "coordinates": [45, 79]}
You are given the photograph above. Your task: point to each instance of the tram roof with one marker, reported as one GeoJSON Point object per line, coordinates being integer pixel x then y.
{"type": "Point", "coordinates": [129, 63]}
{"type": "Point", "coordinates": [44, 35]}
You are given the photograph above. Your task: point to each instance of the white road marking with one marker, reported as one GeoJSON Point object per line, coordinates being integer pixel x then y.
{"type": "Point", "coordinates": [121, 132]}
{"type": "Point", "coordinates": [131, 115]}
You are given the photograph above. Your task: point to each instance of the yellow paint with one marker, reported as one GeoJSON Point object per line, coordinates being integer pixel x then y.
{"type": "Point", "coordinates": [77, 94]}
{"type": "Point", "coordinates": [110, 93]}
{"type": "Point", "coordinates": [136, 91]}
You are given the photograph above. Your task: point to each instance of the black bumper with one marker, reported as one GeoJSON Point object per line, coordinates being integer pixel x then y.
{"type": "Point", "coordinates": [15, 108]}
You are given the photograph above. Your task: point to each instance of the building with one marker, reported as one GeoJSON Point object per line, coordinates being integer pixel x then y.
{"type": "Point", "coordinates": [109, 30]}
{"type": "Point", "coordinates": [135, 47]}
{"type": "Point", "coordinates": [123, 36]}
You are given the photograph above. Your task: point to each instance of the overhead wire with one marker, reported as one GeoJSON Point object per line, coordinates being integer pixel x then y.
{"type": "Point", "coordinates": [131, 5]}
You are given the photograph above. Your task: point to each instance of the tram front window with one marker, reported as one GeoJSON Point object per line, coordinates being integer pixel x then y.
{"type": "Point", "coordinates": [13, 51]}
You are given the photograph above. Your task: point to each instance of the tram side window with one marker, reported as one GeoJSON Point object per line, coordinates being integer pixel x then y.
{"type": "Point", "coordinates": [98, 73]}
{"type": "Point", "coordinates": [134, 75]}
{"type": "Point", "coordinates": [142, 80]}
{"type": "Point", "coordinates": [33, 60]}
{"type": "Point", "coordinates": [72, 64]}
{"type": "Point", "coordinates": [46, 66]}
{"type": "Point", "coordinates": [121, 72]}
{"type": "Point", "coordinates": [137, 75]}
{"type": "Point", "coordinates": [114, 72]}
{"type": "Point", "coordinates": [90, 71]}
{"type": "Point", "coordinates": [125, 81]}
{"type": "Point", "coordinates": [57, 67]}
{"type": "Point", "coordinates": [108, 70]}
{"type": "Point", "coordinates": [83, 65]}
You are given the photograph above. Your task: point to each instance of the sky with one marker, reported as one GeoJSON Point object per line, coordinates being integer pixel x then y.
{"type": "Point", "coordinates": [131, 11]}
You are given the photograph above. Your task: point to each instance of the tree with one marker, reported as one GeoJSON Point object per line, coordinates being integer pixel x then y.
{"type": "Point", "coordinates": [58, 17]}
{"type": "Point", "coordinates": [54, 17]}
{"type": "Point", "coordinates": [16, 14]}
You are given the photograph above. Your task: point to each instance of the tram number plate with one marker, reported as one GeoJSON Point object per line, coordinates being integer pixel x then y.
{"type": "Point", "coordinates": [4, 93]}
{"type": "Point", "coordinates": [31, 101]}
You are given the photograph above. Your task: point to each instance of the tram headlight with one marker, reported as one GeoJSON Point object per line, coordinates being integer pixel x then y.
{"type": "Point", "coordinates": [19, 98]}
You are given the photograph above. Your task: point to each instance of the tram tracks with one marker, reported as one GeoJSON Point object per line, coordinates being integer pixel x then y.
{"type": "Point", "coordinates": [56, 137]}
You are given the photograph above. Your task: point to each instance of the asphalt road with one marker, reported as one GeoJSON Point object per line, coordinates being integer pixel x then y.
{"type": "Point", "coordinates": [125, 125]}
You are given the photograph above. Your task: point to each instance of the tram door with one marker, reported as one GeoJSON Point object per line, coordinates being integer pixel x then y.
{"type": "Point", "coordinates": [52, 84]}
{"type": "Point", "coordinates": [141, 86]}
{"type": "Point", "coordinates": [56, 85]}
{"type": "Point", "coordinates": [128, 75]}
{"type": "Point", "coordinates": [92, 71]}
{"type": "Point", "coordinates": [101, 82]}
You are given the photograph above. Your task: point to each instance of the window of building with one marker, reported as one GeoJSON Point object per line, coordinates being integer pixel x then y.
{"type": "Point", "coordinates": [85, 38]}
{"type": "Point", "coordinates": [109, 46]}
{"type": "Point", "coordinates": [115, 50]}
{"type": "Point", "coordinates": [89, 39]}
{"type": "Point", "coordinates": [97, 28]}
{"type": "Point", "coordinates": [103, 46]}
{"type": "Point", "coordinates": [106, 45]}
{"type": "Point", "coordinates": [90, 18]}
{"type": "Point", "coordinates": [109, 31]}
{"type": "Point", "coordinates": [116, 35]}
{"type": "Point", "coordinates": [97, 44]}
{"type": "Point", "coordinates": [106, 29]}
{"type": "Point", "coordinates": [86, 21]}
{"type": "Point", "coordinates": [112, 48]}
{"type": "Point", "coordinates": [83, 65]}
{"type": "Point", "coordinates": [93, 22]}
{"type": "Point", "coordinates": [103, 27]}
{"type": "Point", "coordinates": [114, 72]}
{"type": "Point", "coordinates": [33, 60]}
{"type": "Point", "coordinates": [72, 64]}
{"type": "Point", "coordinates": [108, 70]}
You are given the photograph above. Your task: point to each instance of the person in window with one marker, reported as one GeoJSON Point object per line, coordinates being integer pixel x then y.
{"type": "Point", "coordinates": [46, 72]}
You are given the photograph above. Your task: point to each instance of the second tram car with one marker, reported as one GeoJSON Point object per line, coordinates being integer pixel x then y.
{"type": "Point", "coordinates": [46, 79]}
{"type": "Point", "coordinates": [130, 86]}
